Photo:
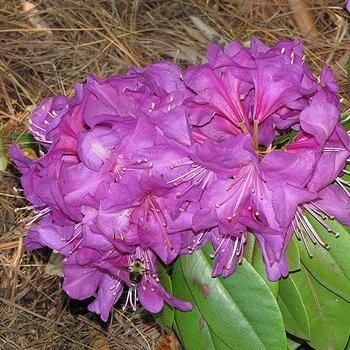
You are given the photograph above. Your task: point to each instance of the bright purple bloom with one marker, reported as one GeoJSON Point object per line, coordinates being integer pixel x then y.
{"type": "Point", "coordinates": [93, 189]}
{"type": "Point", "coordinates": [156, 163]}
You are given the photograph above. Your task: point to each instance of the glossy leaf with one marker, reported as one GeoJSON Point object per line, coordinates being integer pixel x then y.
{"type": "Point", "coordinates": [293, 310]}
{"type": "Point", "coordinates": [249, 247]}
{"type": "Point", "coordinates": [330, 267]}
{"type": "Point", "coordinates": [293, 255]}
{"type": "Point", "coordinates": [166, 317]}
{"type": "Point", "coordinates": [191, 327]}
{"type": "Point", "coordinates": [328, 313]}
{"type": "Point", "coordinates": [292, 345]}
{"type": "Point", "coordinates": [240, 309]}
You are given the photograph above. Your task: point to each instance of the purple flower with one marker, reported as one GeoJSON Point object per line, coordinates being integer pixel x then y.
{"type": "Point", "coordinates": [156, 163]}
{"type": "Point", "coordinates": [246, 90]}
{"type": "Point", "coordinates": [88, 270]}
{"type": "Point", "coordinates": [93, 189]}
{"type": "Point", "coordinates": [46, 118]}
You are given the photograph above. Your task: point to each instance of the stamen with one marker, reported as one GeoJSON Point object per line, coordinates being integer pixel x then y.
{"type": "Point", "coordinates": [129, 298]}
{"type": "Point", "coordinates": [256, 134]}
{"type": "Point", "coordinates": [310, 229]}
{"type": "Point", "coordinates": [320, 219]}
{"type": "Point", "coordinates": [223, 239]}
{"type": "Point", "coordinates": [188, 176]}
{"type": "Point", "coordinates": [302, 237]}
{"type": "Point", "coordinates": [242, 189]}
{"type": "Point", "coordinates": [346, 183]}
{"type": "Point", "coordinates": [333, 149]}
{"type": "Point", "coordinates": [292, 55]}
{"type": "Point", "coordinates": [36, 217]}
{"type": "Point", "coordinates": [37, 126]}
{"type": "Point", "coordinates": [197, 242]}
{"type": "Point", "coordinates": [233, 254]}
{"type": "Point", "coordinates": [160, 217]}
{"type": "Point", "coordinates": [75, 248]}
{"type": "Point", "coordinates": [304, 227]}
{"type": "Point", "coordinates": [340, 183]}
{"type": "Point", "coordinates": [15, 189]}
{"type": "Point", "coordinates": [243, 128]}
{"type": "Point", "coordinates": [29, 207]}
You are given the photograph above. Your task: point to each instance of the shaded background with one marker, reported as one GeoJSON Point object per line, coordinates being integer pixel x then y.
{"type": "Point", "coordinates": [47, 45]}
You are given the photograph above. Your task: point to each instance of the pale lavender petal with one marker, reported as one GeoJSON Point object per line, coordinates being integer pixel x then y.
{"type": "Point", "coordinates": [95, 146]}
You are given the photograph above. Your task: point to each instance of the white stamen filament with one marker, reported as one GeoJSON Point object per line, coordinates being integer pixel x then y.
{"type": "Point", "coordinates": [39, 214]}
{"type": "Point", "coordinates": [304, 226]}
{"type": "Point", "coordinates": [340, 183]}
{"type": "Point", "coordinates": [131, 298]}
{"type": "Point", "coordinates": [320, 219]}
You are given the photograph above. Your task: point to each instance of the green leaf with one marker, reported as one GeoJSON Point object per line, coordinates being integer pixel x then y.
{"type": "Point", "coordinates": [330, 267]}
{"type": "Point", "coordinates": [191, 327]}
{"type": "Point", "coordinates": [240, 309]}
{"type": "Point", "coordinates": [293, 310]}
{"type": "Point", "coordinates": [26, 141]}
{"type": "Point", "coordinates": [293, 255]}
{"type": "Point", "coordinates": [249, 248]}
{"type": "Point", "coordinates": [328, 313]}
{"type": "Point", "coordinates": [259, 266]}
{"type": "Point", "coordinates": [166, 317]}
{"type": "Point", "coordinates": [292, 345]}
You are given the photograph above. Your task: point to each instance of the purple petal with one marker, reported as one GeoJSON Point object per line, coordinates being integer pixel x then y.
{"type": "Point", "coordinates": [333, 200]}
{"type": "Point", "coordinates": [109, 291]}
{"type": "Point", "coordinates": [80, 282]}
{"type": "Point", "coordinates": [294, 168]}
{"type": "Point", "coordinates": [328, 167]}
{"type": "Point", "coordinates": [319, 120]}
{"type": "Point", "coordinates": [46, 117]}
{"type": "Point", "coordinates": [285, 201]}
{"type": "Point", "coordinates": [149, 298]}
{"type": "Point", "coordinates": [171, 300]}
{"type": "Point", "coordinates": [174, 124]}
{"type": "Point", "coordinates": [95, 146]}
{"type": "Point", "coordinates": [276, 84]}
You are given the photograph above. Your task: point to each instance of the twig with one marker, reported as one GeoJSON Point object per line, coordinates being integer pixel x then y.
{"type": "Point", "coordinates": [19, 307]}
{"type": "Point", "coordinates": [9, 245]}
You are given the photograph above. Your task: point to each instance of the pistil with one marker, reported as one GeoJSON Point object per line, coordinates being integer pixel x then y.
{"type": "Point", "coordinates": [256, 134]}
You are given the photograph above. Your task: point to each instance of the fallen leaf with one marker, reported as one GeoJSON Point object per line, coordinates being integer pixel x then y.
{"type": "Point", "coordinates": [54, 267]}
{"type": "Point", "coordinates": [304, 18]}
{"type": "Point", "coordinates": [100, 343]}
{"type": "Point", "coordinates": [168, 342]}
{"type": "Point", "coordinates": [34, 17]}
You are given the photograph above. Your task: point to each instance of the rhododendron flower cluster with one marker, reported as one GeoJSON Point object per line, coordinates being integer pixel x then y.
{"type": "Point", "coordinates": [158, 162]}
